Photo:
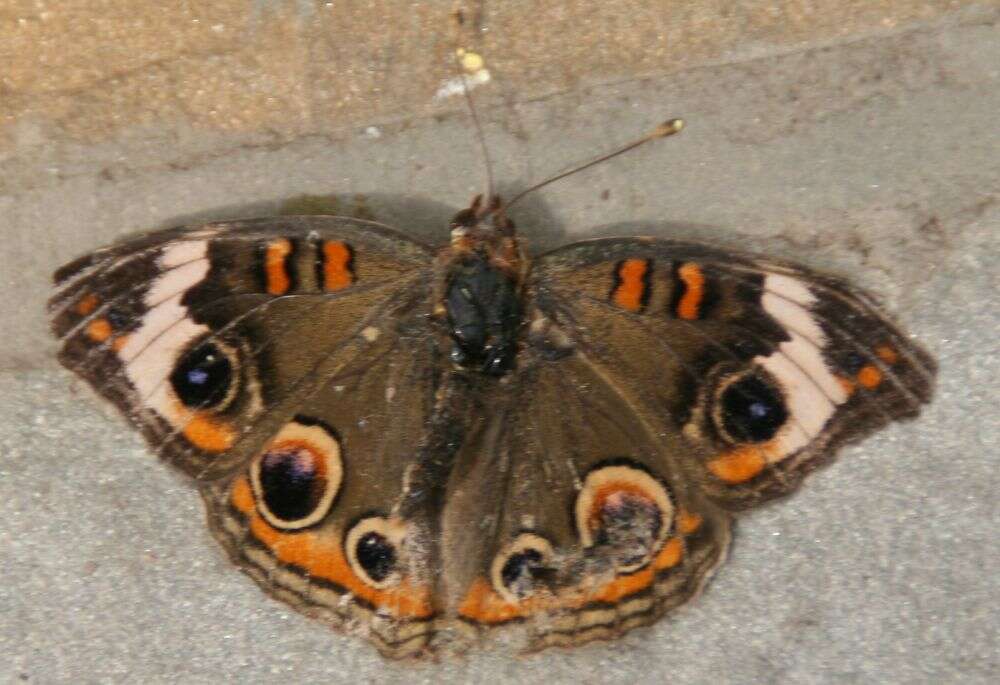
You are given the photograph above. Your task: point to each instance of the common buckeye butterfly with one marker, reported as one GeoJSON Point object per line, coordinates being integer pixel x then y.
{"type": "Point", "coordinates": [423, 445]}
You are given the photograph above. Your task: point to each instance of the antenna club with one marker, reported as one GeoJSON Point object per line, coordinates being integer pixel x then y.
{"type": "Point", "coordinates": [668, 128]}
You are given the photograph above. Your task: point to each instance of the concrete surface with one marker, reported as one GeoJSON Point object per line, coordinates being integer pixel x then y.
{"type": "Point", "coordinates": [857, 140]}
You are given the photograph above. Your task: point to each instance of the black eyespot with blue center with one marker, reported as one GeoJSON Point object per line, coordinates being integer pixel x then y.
{"type": "Point", "coordinates": [376, 555]}
{"type": "Point", "coordinates": [292, 483]}
{"type": "Point", "coordinates": [752, 410]}
{"type": "Point", "coordinates": [201, 379]}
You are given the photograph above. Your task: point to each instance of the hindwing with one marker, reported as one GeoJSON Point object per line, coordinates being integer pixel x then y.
{"type": "Point", "coordinates": [568, 517]}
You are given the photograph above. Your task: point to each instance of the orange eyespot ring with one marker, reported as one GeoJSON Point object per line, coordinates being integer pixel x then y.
{"type": "Point", "coordinates": [296, 477]}
{"type": "Point", "coordinates": [623, 507]}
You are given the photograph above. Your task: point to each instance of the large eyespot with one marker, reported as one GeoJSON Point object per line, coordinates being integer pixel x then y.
{"type": "Point", "coordinates": [373, 547]}
{"type": "Point", "coordinates": [749, 408]}
{"type": "Point", "coordinates": [205, 376]}
{"type": "Point", "coordinates": [297, 476]}
{"type": "Point", "coordinates": [624, 510]}
{"type": "Point", "coordinates": [520, 569]}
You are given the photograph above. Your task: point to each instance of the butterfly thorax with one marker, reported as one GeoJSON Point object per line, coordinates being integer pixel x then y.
{"type": "Point", "coordinates": [484, 269]}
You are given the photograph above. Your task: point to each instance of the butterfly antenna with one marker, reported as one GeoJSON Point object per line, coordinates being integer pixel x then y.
{"type": "Point", "coordinates": [467, 62]}
{"type": "Point", "coordinates": [667, 128]}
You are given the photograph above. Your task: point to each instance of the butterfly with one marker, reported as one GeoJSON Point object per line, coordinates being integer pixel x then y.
{"type": "Point", "coordinates": [428, 446]}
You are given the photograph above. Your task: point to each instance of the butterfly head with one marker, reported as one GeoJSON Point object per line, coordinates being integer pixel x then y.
{"type": "Point", "coordinates": [483, 231]}
{"type": "Point", "coordinates": [482, 216]}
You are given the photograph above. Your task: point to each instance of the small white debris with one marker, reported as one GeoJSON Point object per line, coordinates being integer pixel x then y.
{"type": "Point", "coordinates": [338, 388]}
{"type": "Point", "coordinates": [456, 86]}
{"type": "Point", "coordinates": [390, 392]}
{"type": "Point", "coordinates": [373, 132]}
{"type": "Point", "coordinates": [370, 333]}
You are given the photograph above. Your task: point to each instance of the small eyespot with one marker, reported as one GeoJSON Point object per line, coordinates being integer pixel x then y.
{"type": "Point", "coordinates": [297, 476]}
{"type": "Point", "coordinates": [204, 376]}
{"type": "Point", "coordinates": [519, 571]}
{"type": "Point", "coordinates": [750, 409]}
{"type": "Point", "coordinates": [373, 547]}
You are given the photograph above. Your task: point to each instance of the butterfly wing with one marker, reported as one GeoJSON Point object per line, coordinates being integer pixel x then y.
{"type": "Point", "coordinates": [662, 385]}
{"type": "Point", "coordinates": [287, 365]}
{"type": "Point", "coordinates": [765, 368]}
{"type": "Point", "coordinates": [567, 517]}
{"type": "Point", "coordinates": [207, 337]}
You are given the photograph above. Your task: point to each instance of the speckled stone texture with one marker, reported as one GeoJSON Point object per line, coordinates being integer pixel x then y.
{"type": "Point", "coordinates": [856, 140]}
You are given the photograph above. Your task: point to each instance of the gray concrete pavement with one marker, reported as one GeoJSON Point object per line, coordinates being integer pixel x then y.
{"type": "Point", "coordinates": [874, 156]}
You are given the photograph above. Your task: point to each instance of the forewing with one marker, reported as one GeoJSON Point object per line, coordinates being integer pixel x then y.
{"type": "Point", "coordinates": [208, 338]}
{"type": "Point", "coordinates": [764, 368]}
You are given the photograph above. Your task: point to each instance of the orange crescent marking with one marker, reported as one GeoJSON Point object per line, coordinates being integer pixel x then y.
{"type": "Point", "coordinates": [275, 272]}
{"type": "Point", "coordinates": [628, 294]}
{"type": "Point", "coordinates": [87, 304]}
{"type": "Point", "coordinates": [322, 558]}
{"type": "Point", "coordinates": [690, 303]}
{"type": "Point", "coordinates": [337, 273]}
{"type": "Point", "coordinates": [208, 434]}
{"type": "Point", "coordinates": [739, 465]}
{"type": "Point", "coordinates": [119, 342]}
{"type": "Point", "coordinates": [99, 330]}
{"type": "Point", "coordinates": [887, 354]}
{"type": "Point", "coordinates": [485, 605]}
{"type": "Point", "coordinates": [626, 586]}
{"type": "Point", "coordinates": [688, 521]}
{"type": "Point", "coordinates": [870, 377]}
{"type": "Point", "coordinates": [241, 496]}
{"type": "Point", "coordinates": [670, 555]}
